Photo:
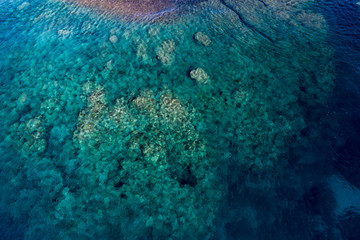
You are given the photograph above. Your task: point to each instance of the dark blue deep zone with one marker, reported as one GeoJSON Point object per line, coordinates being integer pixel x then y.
{"type": "Point", "coordinates": [344, 107]}
{"type": "Point", "coordinates": [338, 130]}
{"type": "Point", "coordinates": [340, 124]}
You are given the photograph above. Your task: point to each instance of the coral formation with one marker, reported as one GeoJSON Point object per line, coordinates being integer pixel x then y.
{"type": "Point", "coordinates": [165, 53]}
{"type": "Point", "coordinates": [113, 39]}
{"type": "Point", "coordinates": [199, 75]}
{"type": "Point", "coordinates": [202, 38]}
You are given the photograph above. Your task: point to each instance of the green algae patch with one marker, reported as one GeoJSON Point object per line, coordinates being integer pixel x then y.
{"type": "Point", "coordinates": [131, 130]}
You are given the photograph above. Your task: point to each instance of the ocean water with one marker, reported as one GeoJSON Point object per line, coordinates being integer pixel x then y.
{"type": "Point", "coordinates": [218, 119]}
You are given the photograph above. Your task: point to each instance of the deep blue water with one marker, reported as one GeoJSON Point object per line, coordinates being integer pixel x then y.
{"type": "Point", "coordinates": [313, 192]}
{"type": "Point", "coordinates": [343, 106]}
{"type": "Point", "coordinates": [340, 118]}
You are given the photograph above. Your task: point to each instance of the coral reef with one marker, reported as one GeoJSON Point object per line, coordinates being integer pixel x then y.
{"type": "Point", "coordinates": [113, 131]}
{"type": "Point", "coordinates": [167, 155]}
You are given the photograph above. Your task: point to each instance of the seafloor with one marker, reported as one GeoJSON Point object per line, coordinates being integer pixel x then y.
{"type": "Point", "coordinates": [179, 125]}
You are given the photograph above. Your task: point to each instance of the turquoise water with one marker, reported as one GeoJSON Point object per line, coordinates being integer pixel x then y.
{"type": "Point", "coordinates": [198, 124]}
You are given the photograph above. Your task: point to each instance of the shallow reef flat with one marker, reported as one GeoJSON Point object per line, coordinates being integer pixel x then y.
{"type": "Point", "coordinates": [120, 129]}
{"type": "Point", "coordinates": [130, 8]}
